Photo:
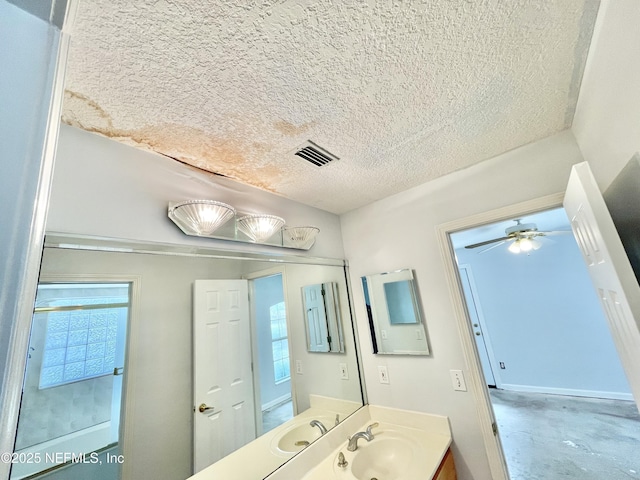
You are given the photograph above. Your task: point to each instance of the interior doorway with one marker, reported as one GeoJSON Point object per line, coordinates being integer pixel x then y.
{"type": "Point", "coordinates": [272, 363]}
{"type": "Point", "coordinates": [537, 325]}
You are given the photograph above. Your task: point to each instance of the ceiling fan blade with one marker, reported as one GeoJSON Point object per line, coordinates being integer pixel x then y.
{"type": "Point", "coordinates": [492, 247]}
{"type": "Point", "coordinates": [556, 232]}
{"type": "Point", "coordinates": [476, 245]}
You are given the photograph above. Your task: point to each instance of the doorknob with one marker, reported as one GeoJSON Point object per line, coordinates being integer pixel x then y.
{"type": "Point", "coordinates": [203, 408]}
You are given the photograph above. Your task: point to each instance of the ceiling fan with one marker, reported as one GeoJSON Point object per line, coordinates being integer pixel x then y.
{"type": "Point", "coordinates": [522, 237]}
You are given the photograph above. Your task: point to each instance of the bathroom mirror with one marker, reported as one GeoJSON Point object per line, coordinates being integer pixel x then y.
{"type": "Point", "coordinates": [323, 320]}
{"type": "Point", "coordinates": [289, 386]}
{"type": "Point", "coordinates": [394, 315]}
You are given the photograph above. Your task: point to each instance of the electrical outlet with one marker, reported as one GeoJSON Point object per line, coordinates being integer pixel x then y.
{"type": "Point", "coordinates": [457, 379]}
{"type": "Point", "coordinates": [383, 374]}
{"type": "Point", "coordinates": [502, 365]}
{"type": "Point", "coordinates": [344, 373]}
{"type": "Point", "coordinates": [299, 367]}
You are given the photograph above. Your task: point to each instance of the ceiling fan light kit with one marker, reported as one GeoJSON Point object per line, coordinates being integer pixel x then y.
{"type": "Point", "coordinates": [211, 219]}
{"type": "Point", "coordinates": [523, 238]}
{"type": "Point", "coordinates": [524, 245]}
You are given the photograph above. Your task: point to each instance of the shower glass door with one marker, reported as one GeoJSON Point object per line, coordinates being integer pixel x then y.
{"type": "Point", "coordinates": [70, 412]}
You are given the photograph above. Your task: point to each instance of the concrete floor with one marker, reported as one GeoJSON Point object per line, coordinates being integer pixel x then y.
{"type": "Point", "coordinates": [549, 437]}
{"type": "Point", "coordinates": [276, 416]}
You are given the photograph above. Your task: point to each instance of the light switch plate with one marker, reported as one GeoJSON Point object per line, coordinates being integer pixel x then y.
{"type": "Point", "coordinates": [344, 373]}
{"type": "Point", "coordinates": [457, 379]}
{"type": "Point", "coordinates": [299, 367]}
{"type": "Point", "coordinates": [383, 374]}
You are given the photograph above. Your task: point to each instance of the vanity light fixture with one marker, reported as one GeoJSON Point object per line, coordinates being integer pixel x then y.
{"type": "Point", "coordinates": [260, 228]}
{"type": "Point", "coordinates": [208, 218]}
{"type": "Point", "coordinates": [203, 217]}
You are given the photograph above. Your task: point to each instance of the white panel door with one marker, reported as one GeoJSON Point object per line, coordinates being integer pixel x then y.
{"type": "Point", "coordinates": [316, 319]}
{"type": "Point", "coordinates": [223, 390]}
{"type": "Point", "coordinates": [474, 315]}
{"type": "Point", "coordinates": [608, 266]}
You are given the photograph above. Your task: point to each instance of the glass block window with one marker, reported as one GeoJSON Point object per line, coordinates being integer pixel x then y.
{"type": "Point", "coordinates": [279, 342]}
{"type": "Point", "coordinates": [84, 323]}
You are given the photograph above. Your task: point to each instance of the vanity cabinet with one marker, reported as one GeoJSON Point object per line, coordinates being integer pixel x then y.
{"type": "Point", "coordinates": [447, 469]}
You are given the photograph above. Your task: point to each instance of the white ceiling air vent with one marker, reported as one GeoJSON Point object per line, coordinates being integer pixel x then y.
{"type": "Point", "coordinates": [314, 154]}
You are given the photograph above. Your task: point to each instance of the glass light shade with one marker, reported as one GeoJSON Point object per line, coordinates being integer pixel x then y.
{"type": "Point", "coordinates": [515, 247]}
{"type": "Point", "coordinates": [202, 216]}
{"type": "Point", "coordinates": [259, 228]}
{"type": "Point", "coordinates": [526, 245]}
{"type": "Point", "coordinates": [301, 237]}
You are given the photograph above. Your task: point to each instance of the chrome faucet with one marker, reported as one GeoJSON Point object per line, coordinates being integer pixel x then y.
{"type": "Point", "coordinates": [368, 436]}
{"type": "Point", "coordinates": [318, 423]}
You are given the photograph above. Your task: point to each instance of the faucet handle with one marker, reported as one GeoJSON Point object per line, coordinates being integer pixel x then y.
{"type": "Point", "coordinates": [373, 425]}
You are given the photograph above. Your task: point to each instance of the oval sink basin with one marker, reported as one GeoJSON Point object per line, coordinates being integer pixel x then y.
{"type": "Point", "coordinates": [386, 459]}
{"type": "Point", "coordinates": [294, 440]}
{"type": "Point", "coordinates": [301, 434]}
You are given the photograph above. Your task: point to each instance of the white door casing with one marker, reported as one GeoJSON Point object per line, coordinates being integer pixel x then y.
{"type": "Point", "coordinates": [608, 266]}
{"type": "Point", "coordinates": [222, 378]}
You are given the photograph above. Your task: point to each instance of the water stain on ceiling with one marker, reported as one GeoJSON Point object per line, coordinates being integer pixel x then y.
{"type": "Point", "coordinates": [401, 92]}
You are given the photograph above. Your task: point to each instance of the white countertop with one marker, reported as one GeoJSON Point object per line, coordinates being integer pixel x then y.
{"type": "Point", "coordinates": [431, 434]}
{"type": "Point", "coordinates": [259, 458]}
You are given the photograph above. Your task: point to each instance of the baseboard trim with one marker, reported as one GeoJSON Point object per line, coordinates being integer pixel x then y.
{"type": "Point", "coordinates": [568, 391]}
{"type": "Point", "coordinates": [276, 402]}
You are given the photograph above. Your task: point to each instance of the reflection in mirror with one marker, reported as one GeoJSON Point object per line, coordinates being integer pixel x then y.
{"type": "Point", "coordinates": [73, 380]}
{"type": "Point", "coordinates": [273, 365]}
{"type": "Point", "coordinates": [323, 322]}
{"type": "Point", "coordinates": [394, 314]}
{"type": "Point", "coordinates": [160, 358]}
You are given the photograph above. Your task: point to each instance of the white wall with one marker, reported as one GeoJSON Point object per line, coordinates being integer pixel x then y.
{"type": "Point", "coordinates": [545, 322]}
{"type": "Point", "coordinates": [28, 57]}
{"type": "Point", "coordinates": [105, 188]}
{"type": "Point", "coordinates": [608, 111]}
{"type": "Point", "coordinates": [400, 232]}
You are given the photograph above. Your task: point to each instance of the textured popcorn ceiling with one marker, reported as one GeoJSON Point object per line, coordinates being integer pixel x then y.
{"type": "Point", "coordinates": [402, 91]}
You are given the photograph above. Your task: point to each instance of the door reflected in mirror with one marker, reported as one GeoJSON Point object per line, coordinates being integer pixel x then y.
{"type": "Point", "coordinates": [394, 314]}
{"type": "Point", "coordinates": [323, 321]}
